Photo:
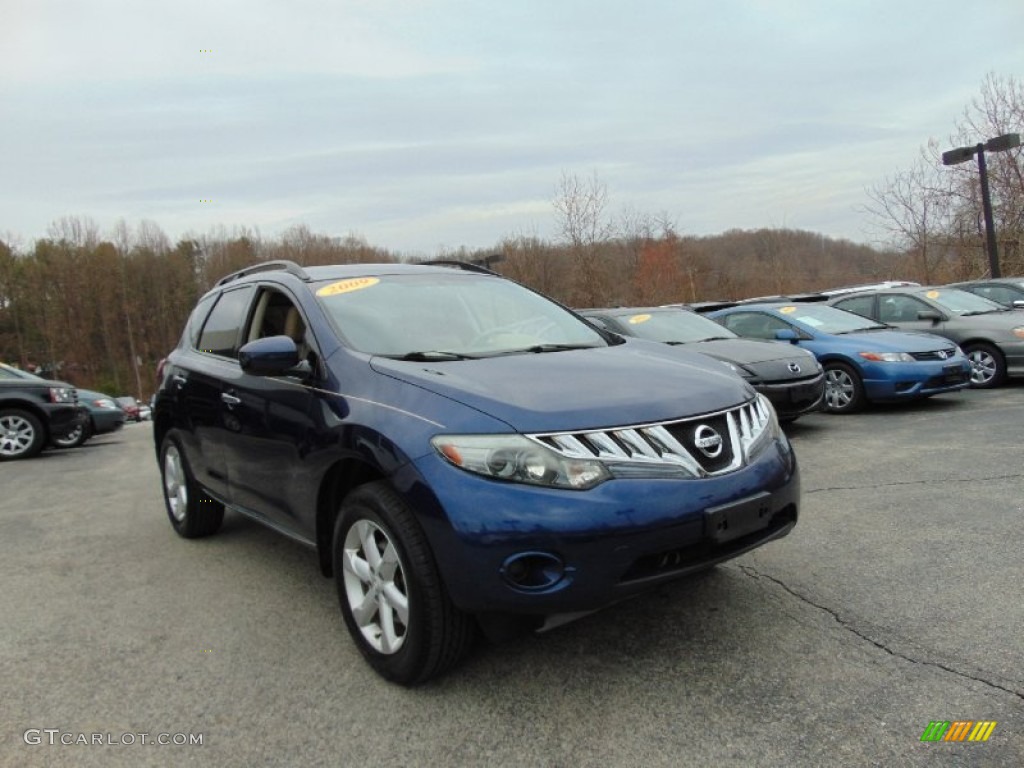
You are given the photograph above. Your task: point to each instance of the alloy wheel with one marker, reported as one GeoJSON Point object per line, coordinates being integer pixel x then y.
{"type": "Point", "coordinates": [175, 483]}
{"type": "Point", "coordinates": [375, 586]}
{"type": "Point", "coordinates": [16, 435]}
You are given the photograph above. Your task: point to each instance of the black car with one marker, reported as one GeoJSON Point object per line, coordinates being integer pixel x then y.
{"type": "Point", "coordinates": [461, 452]}
{"type": "Point", "coordinates": [790, 377]}
{"type": "Point", "coordinates": [35, 413]}
{"type": "Point", "coordinates": [1008, 291]}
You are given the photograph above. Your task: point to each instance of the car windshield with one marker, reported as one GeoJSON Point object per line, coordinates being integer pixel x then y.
{"type": "Point", "coordinates": [961, 302]}
{"type": "Point", "coordinates": [672, 325]}
{"type": "Point", "coordinates": [825, 319]}
{"type": "Point", "coordinates": [440, 317]}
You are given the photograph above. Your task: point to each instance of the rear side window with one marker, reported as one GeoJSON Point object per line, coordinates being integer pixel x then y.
{"type": "Point", "coordinates": [862, 305]}
{"type": "Point", "coordinates": [223, 327]}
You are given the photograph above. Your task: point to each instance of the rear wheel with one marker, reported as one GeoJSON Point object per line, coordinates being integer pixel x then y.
{"type": "Point", "coordinates": [21, 434]}
{"type": "Point", "coordinates": [844, 391]}
{"type": "Point", "coordinates": [392, 599]}
{"type": "Point", "coordinates": [192, 513]}
{"type": "Point", "coordinates": [988, 368]}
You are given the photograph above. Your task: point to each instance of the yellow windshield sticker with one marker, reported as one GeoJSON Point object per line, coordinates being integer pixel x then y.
{"type": "Point", "coordinates": [787, 310]}
{"type": "Point", "coordinates": [932, 294]}
{"type": "Point", "coordinates": [347, 286]}
{"type": "Point", "coordinates": [637, 319]}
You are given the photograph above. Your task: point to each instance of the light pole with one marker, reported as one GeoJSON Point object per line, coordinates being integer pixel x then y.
{"type": "Point", "coordinates": [962, 154]}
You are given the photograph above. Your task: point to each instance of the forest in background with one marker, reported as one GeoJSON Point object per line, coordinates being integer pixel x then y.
{"type": "Point", "coordinates": [101, 309]}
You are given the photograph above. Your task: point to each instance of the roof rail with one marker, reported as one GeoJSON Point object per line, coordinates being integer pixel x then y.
{"type": "Point", "coordinates": [267, 266]}
{"type": "Point", "coordinates": [469, 266]}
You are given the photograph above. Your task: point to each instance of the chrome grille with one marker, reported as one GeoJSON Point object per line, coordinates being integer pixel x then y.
{"type": "Point", "coordinates": [934, 354]}
{"type": "Point", "coordinates": [670, 443]}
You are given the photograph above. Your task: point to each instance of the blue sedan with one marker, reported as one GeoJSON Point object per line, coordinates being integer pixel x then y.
{"type": "Point", "coordinates": [863, 360]}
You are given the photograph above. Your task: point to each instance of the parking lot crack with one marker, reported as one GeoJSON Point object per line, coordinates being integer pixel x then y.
{"type": "Point", "coordinates": [850, 627]}
{"type": "Point", "coordinates": [924, 481]}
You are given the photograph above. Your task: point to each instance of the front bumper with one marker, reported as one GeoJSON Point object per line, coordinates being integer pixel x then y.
{"type": "Point", "coordinates": [63, 419]}
{"type": "Point", "coordinates": [900, 381]}
{"type": "Point", "coordinates": [618, 539]}
{"type": "Point", "coordinates": [795, 398]}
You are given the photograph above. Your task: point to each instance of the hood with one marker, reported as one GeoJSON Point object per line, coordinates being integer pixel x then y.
{"type": "Point", "coordinates": [768, 361]}
{"type": "Point", "coordinates": [752, 352]}
{"type": "Point", "coordinates": [632, 383]}
{"type": "Point", "coordinates": [899, 341]}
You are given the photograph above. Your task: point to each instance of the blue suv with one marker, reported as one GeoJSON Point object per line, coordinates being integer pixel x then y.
{"type": "Point", "coordinates": [461, 452]}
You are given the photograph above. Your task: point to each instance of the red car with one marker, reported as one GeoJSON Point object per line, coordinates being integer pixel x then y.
{"type": "Point", "coordinates": [130, 406]}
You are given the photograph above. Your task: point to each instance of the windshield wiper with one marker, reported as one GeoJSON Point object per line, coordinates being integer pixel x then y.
{"type": "Point", "coordinates": [433, 355]}
{"type": "Point", "coordinates": [539, 348]}
{"type": "Point", "coordinates": [717, 338]}
{"type": "Point", "coordinates": [984, 311]}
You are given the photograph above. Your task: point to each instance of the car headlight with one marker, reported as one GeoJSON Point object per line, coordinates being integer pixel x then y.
{"type": "Point", "coordinates": [887, 357]}
{"type": "Point", "coordinates": [61, 395]}
{"type": "Point", "coordinates": [519, 460]}
{"type": "Point", "coordinates": [104, 403]}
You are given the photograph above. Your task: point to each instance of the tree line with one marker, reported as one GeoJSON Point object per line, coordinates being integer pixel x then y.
{"type": "Point", "coordinates": [101, 312]}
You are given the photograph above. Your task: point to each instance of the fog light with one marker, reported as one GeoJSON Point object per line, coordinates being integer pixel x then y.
{"type": "Point", "coordinates": [533, 570]}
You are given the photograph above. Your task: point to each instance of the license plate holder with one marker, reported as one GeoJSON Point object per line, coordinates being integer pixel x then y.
{"type": "Point", "coordinates": [733, 521]}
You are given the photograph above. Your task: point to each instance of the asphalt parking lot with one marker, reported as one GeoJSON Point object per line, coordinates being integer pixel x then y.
{"type": "Point", "coordinates": [895, 602]}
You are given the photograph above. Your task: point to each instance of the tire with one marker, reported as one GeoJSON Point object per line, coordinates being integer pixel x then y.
{"type": "Point", "coordinates": [844, 391]}
{"type": "Point", "coordinates": [21, 434]}
{"type": "Point", "coordinates": [192, 513]}
{"type": "Point", "coordinates": [988, 367]}
{"type": "Point", "coordinates": [392, 598]}
{"type": "Point", "coordinates": [74, 439]}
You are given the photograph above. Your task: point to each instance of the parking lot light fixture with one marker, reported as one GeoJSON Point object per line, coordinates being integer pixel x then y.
{"type": "Point", "coordinates": [962, 154]}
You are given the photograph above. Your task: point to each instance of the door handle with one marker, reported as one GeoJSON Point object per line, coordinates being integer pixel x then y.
{"type": "Point", "coordinates": [230, 400]}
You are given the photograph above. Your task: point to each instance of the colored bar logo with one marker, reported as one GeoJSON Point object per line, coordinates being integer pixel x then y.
{"type": "Point", "coordinates": [958, 730]}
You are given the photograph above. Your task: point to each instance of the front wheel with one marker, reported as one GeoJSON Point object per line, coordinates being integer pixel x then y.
{"type": "Point", "coordinates": [392, 599]}
{"type": "Point", "coordinates": [988, 368]}
{"type": "Point", "coordinates": [75, 438]}
{"type": "Point", "coordinates": [21, 434]}
{"type": "Point", "coordinates": [192, 513]}
{"type": "Point", "coordinates": [844, 391]}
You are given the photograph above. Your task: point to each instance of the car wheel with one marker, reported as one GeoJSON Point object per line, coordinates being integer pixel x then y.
{"type": "Point", "coordinates": [74, 439]}
{"type": "Point", "coordinates": [192, 513]}
{"type": "Point", "coordinates": [21, 435]}
{"type": "Point", "coordinates": [844, 392]}
{"type": "Point", "coordinates": [988, 368]}
{"type": "Point", "coordinates": [392, 599]}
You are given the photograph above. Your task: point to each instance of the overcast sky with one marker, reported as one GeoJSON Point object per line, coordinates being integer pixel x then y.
{"type": "Point", "coordinates": [429, 124]}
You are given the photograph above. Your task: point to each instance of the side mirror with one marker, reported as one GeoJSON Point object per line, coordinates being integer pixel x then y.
{"type": "Point", "coordinates": [271, 356]}
{"type": "Point", "coordinates": [787, 334]}
{"type": "Point", "coordinates": [929, 314]}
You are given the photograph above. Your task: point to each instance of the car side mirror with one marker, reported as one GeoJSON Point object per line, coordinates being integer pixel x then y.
{"type": "Point", "coordinates": [929, 314]}
{"type": "Point", "coordinates": [270, 356]}
{"type": "Point", "coordinates": [787, 334]}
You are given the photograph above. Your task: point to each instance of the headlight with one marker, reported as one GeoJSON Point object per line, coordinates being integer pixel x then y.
{"type": "Point", "coordinates": [887, 357]}
{"type": "Point", "coordinates": [105, 403]}
{"type": "Point", "coordinates": [61, 395]}
{"type": "Point", "coordinates": [519, 460]}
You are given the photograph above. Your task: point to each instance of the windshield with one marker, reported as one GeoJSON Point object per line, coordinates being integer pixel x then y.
{"type": "Point", "coordinates": [961, 302]}
{"type": "Point", "coordinates": [827, 319]}
{"type": "Point", "coordinates": [672, 325]}
{"type": "Point", "coordinates": [448, 317]}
